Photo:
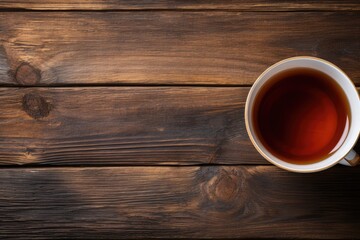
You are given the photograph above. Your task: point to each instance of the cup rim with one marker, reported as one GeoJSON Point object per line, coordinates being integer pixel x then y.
{"type": "Point", "coordinates": [292, 167]}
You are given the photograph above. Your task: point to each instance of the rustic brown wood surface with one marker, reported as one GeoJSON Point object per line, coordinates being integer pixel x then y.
{"type": "Point", "coordinates": [167, 47]}
{"type": "Point", "coordinates": [125, 126]}
{"type": "Point", "coordinates": [71, 131]}
{"type": "Point", "coordinates": [179, 202]}
{"type": "Point", "coordinates": [245, 5]}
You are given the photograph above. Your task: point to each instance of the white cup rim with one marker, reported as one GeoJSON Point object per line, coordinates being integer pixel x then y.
{"type": "Point", "coordinates": [352, 96]}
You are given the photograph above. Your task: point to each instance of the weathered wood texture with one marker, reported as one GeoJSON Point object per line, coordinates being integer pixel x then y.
{"type": "Point", "coordinates": [179, 202]}
{"type": "Point", "coordinates": [168, 47]}
{"type": "Point", "coordinates": [124, 125]}
{"type": "Point", "coordinates": [256, 5]}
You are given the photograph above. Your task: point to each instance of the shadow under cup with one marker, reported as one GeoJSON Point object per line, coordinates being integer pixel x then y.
{"type": "Point", "coordinates": [301, 114]}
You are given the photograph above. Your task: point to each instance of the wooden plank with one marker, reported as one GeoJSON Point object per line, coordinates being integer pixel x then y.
{"type": "Point", "coordinates": [244, 5]}
{"type": "Point", "coordinates": [124, 125]}
{"type": "Point", "coordinates": [164, 47]}
{"type": "Point", "coordinates": [172, 202]}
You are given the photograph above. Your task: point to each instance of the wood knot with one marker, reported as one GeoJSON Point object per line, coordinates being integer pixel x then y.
{"type": "Point", "coordinates": [223, 187]}
{"type": "Point", "coordinates": [27, 75]}
{"type": "Point", "coordinates": [36, 106]}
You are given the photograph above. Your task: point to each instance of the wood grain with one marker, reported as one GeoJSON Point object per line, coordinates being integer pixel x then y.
{"type": "Point", "coordinates": [168, 47]}
{"type": "Point", "coordinates": [179, 202]}
{"type": "Point", "coordinates": [244, 5]}
{"type": "Point", "coordinates": [124, 125]}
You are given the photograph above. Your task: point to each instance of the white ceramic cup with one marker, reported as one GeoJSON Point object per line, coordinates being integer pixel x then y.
{"type": "Point", "coordinates": [344, 154]}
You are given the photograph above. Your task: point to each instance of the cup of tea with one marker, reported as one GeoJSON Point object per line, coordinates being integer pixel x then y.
{"type": "Point", "coordinates": [303, 115]}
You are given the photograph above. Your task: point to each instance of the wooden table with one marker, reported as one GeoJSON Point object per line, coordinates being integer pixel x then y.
{"type": "Point", "coordinates": [125, 119]}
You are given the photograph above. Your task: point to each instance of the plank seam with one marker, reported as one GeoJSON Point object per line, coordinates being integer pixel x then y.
{"type": "Point", "coordinates": [34, 166]}
{"type": "Point", "coordinates": [175, 10]}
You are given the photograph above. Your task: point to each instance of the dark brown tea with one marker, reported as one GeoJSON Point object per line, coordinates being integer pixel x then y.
{"type": "Point", "coordinates": [301, 116]}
